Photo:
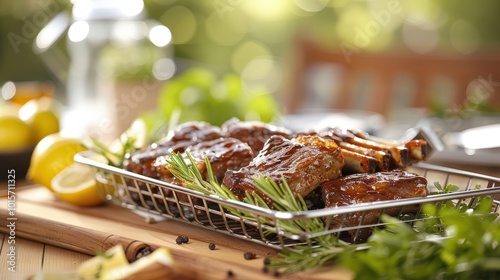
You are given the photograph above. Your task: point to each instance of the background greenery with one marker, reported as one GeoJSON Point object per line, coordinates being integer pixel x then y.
{"type": "Point", "coordinates": [252, 38]}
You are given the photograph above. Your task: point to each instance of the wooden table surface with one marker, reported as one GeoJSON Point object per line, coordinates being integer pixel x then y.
{"type": "Point", "coordinates": [33, 257]}
{"type": "Point", "coordinates": [34, 201]}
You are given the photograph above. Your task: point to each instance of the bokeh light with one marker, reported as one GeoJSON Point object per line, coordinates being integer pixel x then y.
{"type": "Point", "coordinates": [422, 12]}
{"type": "Point", "coordinates": [359, 29]}
{"type": "Point", "coordinates": [247, 52]}
{"type": "Point", "coordinates": [225, 31]}
{"type": "Point", "coordinates": [181, 22]}
{"type": "Point", "coordinates": [265, 9]}
{"type": "Point", "coordinates": [8, 90]}
{"type": "Point", "coordinates": [78, 31]}
{"type": "Point", "coordinates": [164, 69]}
{"type": "Point", "coordinates": [262, 72]}
{"type": "Point", "coordinates": [160, 35]}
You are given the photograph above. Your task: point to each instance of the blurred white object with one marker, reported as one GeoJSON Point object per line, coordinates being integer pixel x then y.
{"type": "Point", "coordinates": [369, 122]}
{"type": "Point", "coordinates": [108, 42]}
{"type": "Point", "coordinates": [473, 141]}
{"type": "Point", "coordinates": [482, 137]}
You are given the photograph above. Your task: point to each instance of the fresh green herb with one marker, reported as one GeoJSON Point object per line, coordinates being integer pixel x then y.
{"type": "Point", "coordinates": [450, 188]}
{"type": "Point", "coordinates": [452, 241]}
{"type": "Point", "coordinates": [105, 255]}
{"type": "Point", "coordinates": [114, 158]}
{"type": "Point", "coordinates": [290, 259]}
{"type": "Point", "coordinates": [466, 248]}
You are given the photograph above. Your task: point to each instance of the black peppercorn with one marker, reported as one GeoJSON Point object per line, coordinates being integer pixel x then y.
{"type": "Point", "coordinates": [249, 256]}
{"type": "Point", "coordinates": [211, 246]}
{"type": "Point", "coordinates": [265, 269]}
{"type": "Point", "coordinates": [267, 261]}
{"type": "Point", "coordinates": [178, 240]}
{"type": "Point", "coordinates": [230, 273]}
{"type": "Point", "coordinates": [185, 239]}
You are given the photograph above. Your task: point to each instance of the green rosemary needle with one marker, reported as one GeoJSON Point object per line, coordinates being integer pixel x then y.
{"type": "Point", "coordinates": [312, 255]}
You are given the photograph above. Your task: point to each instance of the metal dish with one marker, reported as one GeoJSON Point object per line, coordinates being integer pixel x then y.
{"type": "Point", "coordinates": [266, 226]}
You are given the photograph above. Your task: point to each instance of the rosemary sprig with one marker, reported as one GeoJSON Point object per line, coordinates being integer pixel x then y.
{"type": "Point", "coordinates": [186, 170]}
{"type": "Point", "coordinates": [399, 251]}
{"type": "Point", "coordinates": [114, 158]}
{"type": "Point", "coordinates": [312, 255]}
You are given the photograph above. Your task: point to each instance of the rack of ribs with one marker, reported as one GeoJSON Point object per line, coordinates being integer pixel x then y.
{"type": "Point", "coordinates": [364, 153]}
{"type": "Point", "coordinates": [304, 162]}
{"type": "Point", "coordinates": [363, 188]}
{"type": "Point", "coordinates": [202, 141]}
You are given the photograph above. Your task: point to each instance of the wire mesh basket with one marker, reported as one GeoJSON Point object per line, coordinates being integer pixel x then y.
{"type": "Point", "coordinates": [270, 227]}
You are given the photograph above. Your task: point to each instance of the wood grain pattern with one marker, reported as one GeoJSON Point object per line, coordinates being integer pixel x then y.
{"type": "Point", "coordinates": [40, 203]}
{"type": "Point", "coordinates": [56, 259]}
{"type": "Point", "coordinates": [83, 240]}
{"type": "Point", "coordinates": [29, 257]}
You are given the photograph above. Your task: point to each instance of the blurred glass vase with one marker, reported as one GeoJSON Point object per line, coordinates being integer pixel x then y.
{"type": "Point", "coordinates": [112, 62]}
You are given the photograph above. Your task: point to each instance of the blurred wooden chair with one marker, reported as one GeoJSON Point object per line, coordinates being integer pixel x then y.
{"type": "Point", "coordinates": [370, 81]}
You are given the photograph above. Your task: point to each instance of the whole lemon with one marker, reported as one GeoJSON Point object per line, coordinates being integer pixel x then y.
{"type": "Point", "coordinates": [40, 114]}
{"type": "Point", "coordinates": [51, 155]}
{"type": "Point", "coordinates": [15, 135]}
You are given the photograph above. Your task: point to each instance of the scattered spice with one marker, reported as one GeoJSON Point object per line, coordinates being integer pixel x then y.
{"type": "Point", "coordinates": [265, 269]}
{"type": "Point", "coordinates": [267, 261]}
{"type": "Point", "coordinates": [230, 273]}
{"type": "Point", "coordinates": [249, 256]}
{"type": "Point", "coordinates": [211, 246]}
{"type": "Point", "coordinates": [178, 240]}
{"type": "Point", "coordinates": [181, 239]}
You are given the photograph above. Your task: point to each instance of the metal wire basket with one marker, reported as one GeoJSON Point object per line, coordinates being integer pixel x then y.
{"type": "Point", "coordinates": [270, 227]}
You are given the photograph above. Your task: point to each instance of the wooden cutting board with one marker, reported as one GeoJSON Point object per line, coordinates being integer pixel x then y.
{"type": "Point", "coordinates": [37, 202]}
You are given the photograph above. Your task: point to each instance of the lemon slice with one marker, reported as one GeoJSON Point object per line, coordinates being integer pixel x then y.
{"type": "Point", "coordinates": [76, 185]}
{"type": "Point", "coordinates": [98, 266]}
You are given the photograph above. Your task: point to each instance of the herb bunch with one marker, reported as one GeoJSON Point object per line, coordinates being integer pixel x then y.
{"type": "Point", "coordinates": [466, 247]}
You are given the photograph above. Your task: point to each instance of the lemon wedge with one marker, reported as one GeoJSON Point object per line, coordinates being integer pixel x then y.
{"type": "Point", "coordinates": [98, 266]}
{"type": "Point", "coordinates": [76, 185]}
{"type": "Point", "coordinates": [158, 265]}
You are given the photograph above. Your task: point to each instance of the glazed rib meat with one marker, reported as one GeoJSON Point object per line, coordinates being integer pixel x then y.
{"type": "Point", "coordinates": [304, 162]}
{"type": "Point", "coordinates": [254, 133]}
{"type": "Point", "coordinates": [364, 153]}
{"type": "Point", "coordinates": [178, 140]}
{"type": "Point", "coordinates": [362, 188]}
{"type": "Point", "coordinates": [200, 140]}
{"type": "Point", "coordinates": [222, 153]}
